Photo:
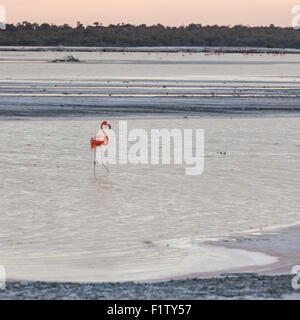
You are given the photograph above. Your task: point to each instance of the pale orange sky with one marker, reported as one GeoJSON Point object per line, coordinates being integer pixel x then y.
{"type": "Point", "coordinates": [167, 12]}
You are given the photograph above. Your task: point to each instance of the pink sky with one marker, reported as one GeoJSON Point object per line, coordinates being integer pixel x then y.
{"type": "Point", "coordinates": [167, 12]}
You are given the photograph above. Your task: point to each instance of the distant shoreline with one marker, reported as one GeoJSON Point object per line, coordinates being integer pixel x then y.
{"type": "Point", "coordinates": [170, 49]}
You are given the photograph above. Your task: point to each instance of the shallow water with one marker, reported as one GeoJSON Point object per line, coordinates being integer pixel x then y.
{"type": "Point", "coordinates": [140, 222]}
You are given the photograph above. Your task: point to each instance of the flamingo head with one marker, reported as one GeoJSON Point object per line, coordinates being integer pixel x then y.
{"type": "Point", "coordinates": [105, 123]}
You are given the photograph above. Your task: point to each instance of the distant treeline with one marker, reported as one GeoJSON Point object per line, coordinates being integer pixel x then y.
{"type": "Point", "coordinates": [33, 34]}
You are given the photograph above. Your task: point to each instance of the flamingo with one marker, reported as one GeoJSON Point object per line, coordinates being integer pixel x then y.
{"type": "Point", "coordinates": [99, 141]}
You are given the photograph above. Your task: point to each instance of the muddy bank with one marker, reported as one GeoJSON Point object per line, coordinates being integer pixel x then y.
{"type": "Point", "coordinates": [230, 286]}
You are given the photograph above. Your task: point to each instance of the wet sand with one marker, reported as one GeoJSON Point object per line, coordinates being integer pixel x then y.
{"type": "Point", "coordinates": [281, 244]}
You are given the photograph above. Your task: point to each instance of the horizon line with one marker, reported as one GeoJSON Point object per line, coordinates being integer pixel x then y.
{"type": "Point", "coordinates": [150, 25]}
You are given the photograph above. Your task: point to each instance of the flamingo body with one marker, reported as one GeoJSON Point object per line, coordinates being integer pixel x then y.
{"type": "Point", "coordinates": [99, 140]}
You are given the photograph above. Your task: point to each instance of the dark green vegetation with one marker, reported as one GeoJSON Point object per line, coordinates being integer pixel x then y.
{"type": "Point", "coordinates": [33, 34]}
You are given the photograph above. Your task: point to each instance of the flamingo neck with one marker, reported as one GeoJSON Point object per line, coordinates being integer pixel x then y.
{"type": "Point", "coordinates": [105, 135]}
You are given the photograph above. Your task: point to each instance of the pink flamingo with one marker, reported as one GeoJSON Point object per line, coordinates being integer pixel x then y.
{"type": "Point", "coordinates": [99, 141]}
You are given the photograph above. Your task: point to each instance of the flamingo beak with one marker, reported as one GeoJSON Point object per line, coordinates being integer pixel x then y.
{"type": "Point", "coordinates": [109, 126]}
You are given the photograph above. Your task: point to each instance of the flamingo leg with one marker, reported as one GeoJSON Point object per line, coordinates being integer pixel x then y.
{"type": "Point", "coordinates": [95, 162]}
